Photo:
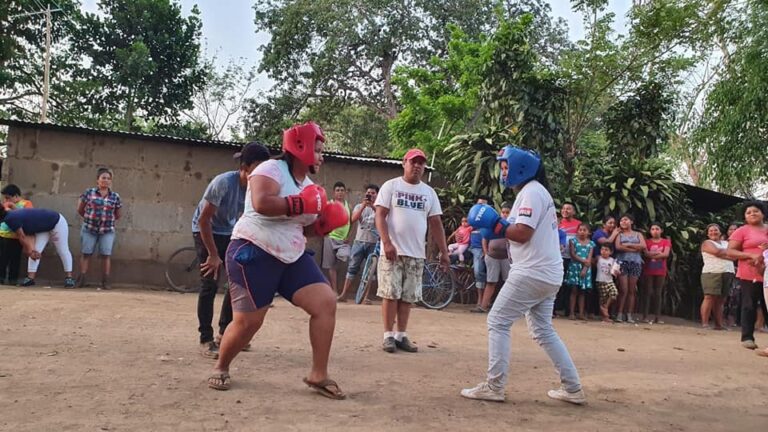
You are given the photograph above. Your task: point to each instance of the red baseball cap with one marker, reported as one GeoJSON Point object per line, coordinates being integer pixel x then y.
{"type": "Point", "coordinates": [414, 153]}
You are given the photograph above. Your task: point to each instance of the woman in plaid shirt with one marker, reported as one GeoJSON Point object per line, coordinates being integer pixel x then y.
{"type": "Point", "coordinates": [100, 208]}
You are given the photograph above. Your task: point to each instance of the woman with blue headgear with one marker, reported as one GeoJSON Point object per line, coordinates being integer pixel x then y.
{"type": "Point", "coordinates": [534, 277]}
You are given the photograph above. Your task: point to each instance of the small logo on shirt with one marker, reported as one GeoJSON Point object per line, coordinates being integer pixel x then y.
{"type": "Point", "coordinates": [524, 212]}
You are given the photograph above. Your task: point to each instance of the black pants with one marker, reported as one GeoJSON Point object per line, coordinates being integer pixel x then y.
{"type": "Point", "coordinates": [563, 298]}
{"type": "Point", "coordinates": [10, 259]}
{"type": "Point", "coordinates": [751, 295]}
{"type": "Point", "coordinates": [208, 288]}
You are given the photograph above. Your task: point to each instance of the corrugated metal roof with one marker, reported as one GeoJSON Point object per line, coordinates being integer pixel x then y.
{"type": "Point", "coordinates": [368, 160]}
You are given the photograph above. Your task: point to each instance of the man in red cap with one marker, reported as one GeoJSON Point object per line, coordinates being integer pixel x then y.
{"type": "Point", "coordinates": [405, 207]}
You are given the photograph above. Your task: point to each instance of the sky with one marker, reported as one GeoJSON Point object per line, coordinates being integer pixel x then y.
{"type": "Point", "coordinates": [229, 32]}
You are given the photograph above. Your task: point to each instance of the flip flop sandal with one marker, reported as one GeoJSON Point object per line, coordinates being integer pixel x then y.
{"type": "Point", "coordinates": [219, 381]}
{"type": "Point", "coordinates": [327, 388]}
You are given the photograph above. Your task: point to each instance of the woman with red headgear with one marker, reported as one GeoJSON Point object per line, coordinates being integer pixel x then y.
{"type": "Point", "coordinates": [267, 255]}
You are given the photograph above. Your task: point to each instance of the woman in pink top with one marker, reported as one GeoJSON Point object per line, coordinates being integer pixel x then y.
{"type": "Point", "coordinates": [745, 245]}
{"type": "Point", "coordinates": [655, 270]}
{"type": "Point", "coordinates": [461, 236]}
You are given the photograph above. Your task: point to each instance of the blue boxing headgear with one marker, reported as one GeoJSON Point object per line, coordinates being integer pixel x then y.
{"type": "Point", "coordinates": [522, 165]}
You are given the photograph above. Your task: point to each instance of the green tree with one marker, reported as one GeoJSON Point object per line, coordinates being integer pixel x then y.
{"type": "Point", "coordinates": [144, 57]}
{"type": "Point", "coordinates": [22, 47]}
{"type": "Point", "coordinates": [732, 132]}
{"type": "Point", "coordinates": [348, 49]}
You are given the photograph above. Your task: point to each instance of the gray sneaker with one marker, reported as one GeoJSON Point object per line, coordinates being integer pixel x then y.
{"type": "Point", "coordinates": [209, 350]}
{"type": "Point", "coordinates": [576, 398]}
{"type": "Point", "coordinates": [406, 345]}
{"type": "Point", "coordinates": [483, 391]}
{"type": "Point", "coordinates": [389, 345]}
{"type": "Point", "coordinates": [749, 344]}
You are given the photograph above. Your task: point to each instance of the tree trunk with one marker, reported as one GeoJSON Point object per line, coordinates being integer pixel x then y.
{"type": "Point", "coordinates": [387, 62]}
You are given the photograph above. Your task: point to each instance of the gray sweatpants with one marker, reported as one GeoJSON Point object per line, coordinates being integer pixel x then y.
{"type": "Point", "coordinates": [523, 296]}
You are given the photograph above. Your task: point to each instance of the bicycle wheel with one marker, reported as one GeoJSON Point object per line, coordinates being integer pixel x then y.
{"type": "Point", "coordinates": [365, 279]}
{"type": "Point", "coordinates": [437, 288]}
{"type": "Point", "coordinates": [182, 272]}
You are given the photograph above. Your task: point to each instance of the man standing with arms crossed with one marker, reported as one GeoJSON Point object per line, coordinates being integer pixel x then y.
{"type": "Point", "coordinates": [222, 203]}
{"type": "Point", "coordinates": [404, 208]}
{"type": "Point", "coordinates": [336, 244]}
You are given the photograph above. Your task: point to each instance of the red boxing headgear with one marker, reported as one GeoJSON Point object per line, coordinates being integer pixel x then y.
{"type": "Point", "coordinates": [300, 140]}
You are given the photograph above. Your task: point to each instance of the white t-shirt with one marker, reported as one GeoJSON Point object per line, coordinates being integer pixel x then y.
{"type": "Point", "coordinates": [604, 267]}
{"type": "Point", "coordinates": [280, 236]}
{"type": "Point", "coordinates": [539, 258]}
{"type": "Point", "coordinates": [409, 207]}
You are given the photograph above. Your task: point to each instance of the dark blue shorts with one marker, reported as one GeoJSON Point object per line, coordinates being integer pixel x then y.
{"type": "Point", "coordinates": [255, 276]}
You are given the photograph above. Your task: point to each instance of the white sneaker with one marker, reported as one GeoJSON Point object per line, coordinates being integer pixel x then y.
{"type": "Point", "coordinates": [578, 398]}
{"type": "Point", "coordinates": [483, 391]}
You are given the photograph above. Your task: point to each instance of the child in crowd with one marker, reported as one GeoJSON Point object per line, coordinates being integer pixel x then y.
{"type": "Point", "coordinates": [579, 276]}
{"type": "Point", "coordinates": [461, 235]}
{"type": "Point", "coordinates": [10, 247]}
{"type": "Point", "coordinates": [607, 268]}
{"type": "Point", "coordinates": [655, 270]}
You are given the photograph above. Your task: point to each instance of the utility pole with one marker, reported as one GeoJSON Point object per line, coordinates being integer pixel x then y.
{"type": "Point", "coordinates": [47, 66]}
{"type": "Point", "coordinates": [47, 72]}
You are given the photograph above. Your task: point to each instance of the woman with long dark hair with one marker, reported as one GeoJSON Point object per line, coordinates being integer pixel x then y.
{"type": "Point", "coordinates": [745, 245]}
{"type": "Point", "coordinates": [534, 276]}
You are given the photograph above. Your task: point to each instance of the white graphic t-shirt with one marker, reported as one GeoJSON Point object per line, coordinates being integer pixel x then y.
{"type": "Point", "coordinates": [409, 207]}
{"type": "Point", "coordinates": [604, 267]}
{"type": "Point", "coordinates": [539, 258]}
{"type": "Point", "coordinates": [280, 236]}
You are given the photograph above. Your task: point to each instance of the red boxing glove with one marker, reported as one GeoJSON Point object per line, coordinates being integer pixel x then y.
{"type": "Point", "coordinates": [334, 215]}
{"type": "Point", "coordinates": [311, 200]}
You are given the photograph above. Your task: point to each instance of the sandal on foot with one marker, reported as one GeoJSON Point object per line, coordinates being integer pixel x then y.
{"type": "Point", "coordinates": [367, 302]}
{"type": "Point", "coordinates": [219, 381]}
{"type": "Point", "coordinates": [327, 388]}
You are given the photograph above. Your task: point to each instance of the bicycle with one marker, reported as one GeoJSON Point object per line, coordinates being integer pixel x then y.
{"type": "Point", "coordinates": [369, 272]}
{"type": "Point", "coordinates": [182, 270]}
{"type": "Point", "coordinates": [437, 287]}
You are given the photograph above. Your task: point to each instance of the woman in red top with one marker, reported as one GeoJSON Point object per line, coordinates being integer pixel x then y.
{"type": "Point", "coordinates": [655, 270]}
{"type": "Point", "coordinates": [744, 245]}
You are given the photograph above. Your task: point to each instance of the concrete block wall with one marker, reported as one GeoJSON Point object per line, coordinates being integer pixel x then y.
{"type": "Point", "coordinates": [159, 182]}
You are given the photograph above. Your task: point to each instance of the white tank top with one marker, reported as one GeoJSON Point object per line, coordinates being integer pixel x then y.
{"type": "Point", "coordinates": [281, 236]}
{"type": "Point", "coordinates": [713, 264]}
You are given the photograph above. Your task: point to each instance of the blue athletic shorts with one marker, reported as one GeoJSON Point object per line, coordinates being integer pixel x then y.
{"type": "Point", "coordinates": [255, 276]}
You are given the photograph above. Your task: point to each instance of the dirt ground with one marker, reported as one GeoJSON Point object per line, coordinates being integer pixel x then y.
{"type": "Point", "coordinates": [83, 360]}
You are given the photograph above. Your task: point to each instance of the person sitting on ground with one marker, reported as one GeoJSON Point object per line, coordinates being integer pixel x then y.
{"type": "Point", "coordinates": [496, 265]}
{"type": "Point", "coordinates": [461, 235]}
{"type": "Point", "coordinates": [717, 276]}
{"type": "Point", "coordinates": [606, 269]}
{"type": "Point", "coordinates": [10, 248]}
{"type": "Point", "coordinates": [365, 239]}
{"type": "Point", "coordinates": [35, 227]}
{"type": "Point", "coordinates": [268, 255]}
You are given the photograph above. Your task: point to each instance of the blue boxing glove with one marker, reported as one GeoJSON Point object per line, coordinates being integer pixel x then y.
{"type": "Point", "coordinates": [484, 218]}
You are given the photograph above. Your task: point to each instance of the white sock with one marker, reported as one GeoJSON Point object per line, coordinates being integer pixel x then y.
{"type": "Point", "coordinates": [399, 336]}
{"type": "Point", "coordinates": [388, 335]}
